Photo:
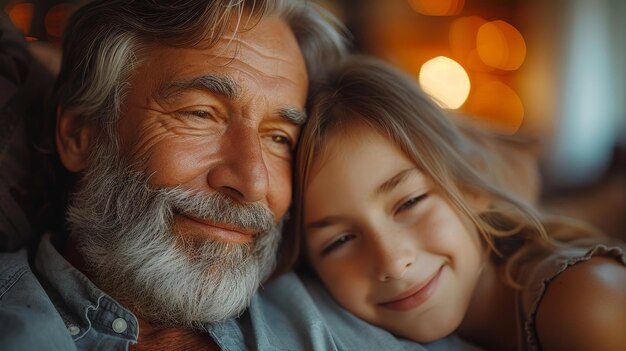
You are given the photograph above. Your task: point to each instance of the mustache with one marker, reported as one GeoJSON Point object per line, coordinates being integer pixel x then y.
{"type": "Point", "coordinates": [218, 208]}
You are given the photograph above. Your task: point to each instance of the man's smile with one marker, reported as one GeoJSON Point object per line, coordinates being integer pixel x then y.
{"type": "Point", "coordinates": [221, 231]}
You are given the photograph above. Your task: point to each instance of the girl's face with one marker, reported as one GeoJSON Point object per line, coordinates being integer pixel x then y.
{"type": "Point", "coordinates": [385, 240]}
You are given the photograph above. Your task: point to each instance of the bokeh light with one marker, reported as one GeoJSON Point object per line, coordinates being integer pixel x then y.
{"type": "Point", "coordinates": [500, 45]}
{"type": "Point", "coordinates": [498, 105]}
{"type": "Point", "coordinates": [21, 14]}
{"type": "Point", "coordinates": [446, 81]}
{"type": "Point", "coordinates": [438, 7]}
{"type": "Point", "coordinates": [462, 40]}
{"type": "Point", "coordinates": [463, 33]}
{"type": "Point", "coordinates": [56, 19]}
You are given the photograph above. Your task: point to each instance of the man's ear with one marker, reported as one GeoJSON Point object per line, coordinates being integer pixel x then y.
{"type": "Point", "coordinates": [73, 139]}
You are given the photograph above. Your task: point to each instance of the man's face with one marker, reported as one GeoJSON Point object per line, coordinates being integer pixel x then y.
{"type": "Point", "coordinates": [222, 119]}
{"type": "Point", "coordinates": [183, 222]}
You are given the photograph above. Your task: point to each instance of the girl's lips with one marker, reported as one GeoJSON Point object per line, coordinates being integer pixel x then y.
{"type": "Point", "coordinates": [416, 296]}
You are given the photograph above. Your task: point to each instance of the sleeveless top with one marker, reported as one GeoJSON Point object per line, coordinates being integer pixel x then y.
{"type": "Point", "coordinates": [542, 267]}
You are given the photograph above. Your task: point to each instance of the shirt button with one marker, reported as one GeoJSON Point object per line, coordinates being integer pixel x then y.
{"type": "Point", "coordinates": [119, 325]}
{"type": "Point", "coordinates": [74, 330]}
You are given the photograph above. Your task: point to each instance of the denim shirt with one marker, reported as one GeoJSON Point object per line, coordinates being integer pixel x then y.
{"type": "Point", "coordinates": [55, 307]}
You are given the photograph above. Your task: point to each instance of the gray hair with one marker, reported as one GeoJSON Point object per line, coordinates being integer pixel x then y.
{"type": "Point", "coordinates": [104, 40]}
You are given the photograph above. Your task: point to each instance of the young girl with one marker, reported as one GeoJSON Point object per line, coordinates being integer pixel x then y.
{"type": "Point", "coordinates": [403, 216]}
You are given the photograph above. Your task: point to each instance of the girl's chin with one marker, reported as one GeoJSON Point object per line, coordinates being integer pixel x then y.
{"type": "Point", "coordinates": [433, 330]}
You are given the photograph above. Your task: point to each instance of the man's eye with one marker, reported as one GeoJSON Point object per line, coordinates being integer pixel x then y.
{"type": "Point", "coordinates": [281, 139]}
{"type": "Point", "coordinates": [197, 113]}
{"type": "Point", "coordinates": [342, 240]}
{"type": "Point", "coordinates": [279, 145]}
{"type": "Point", "coordinates": [410, 203]}
{"type": "Point", "coordinates": [201, 114]}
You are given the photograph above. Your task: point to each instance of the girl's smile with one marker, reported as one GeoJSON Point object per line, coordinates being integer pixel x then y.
{"type": "Point", "coordinates": [415, 296]}
{"type": "Point", "coordinates": [385, 240]}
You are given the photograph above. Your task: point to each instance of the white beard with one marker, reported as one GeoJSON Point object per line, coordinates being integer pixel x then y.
{"type": "Point", "coordinates": [124, 232]}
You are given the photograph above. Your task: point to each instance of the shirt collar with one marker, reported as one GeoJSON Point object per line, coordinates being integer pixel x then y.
{"type": "Point", "coordinates": [79, 301]}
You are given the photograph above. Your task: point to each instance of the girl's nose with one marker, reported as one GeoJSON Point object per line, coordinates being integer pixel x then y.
{"type": "Point", "coordinates": [394, 258]}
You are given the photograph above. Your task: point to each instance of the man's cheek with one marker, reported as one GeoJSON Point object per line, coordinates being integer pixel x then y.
{"type": "Point", "coordinates": [280, 186]}
{"type": "Point", "coordinates": [176, 163]}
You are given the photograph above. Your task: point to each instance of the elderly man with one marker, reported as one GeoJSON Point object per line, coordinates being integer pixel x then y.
{"type": "Point", "coordinates": [179, 120]}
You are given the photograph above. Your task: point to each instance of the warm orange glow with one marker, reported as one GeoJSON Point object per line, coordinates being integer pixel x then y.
{"type": "Point", "coordinates": [21, 15]}
{"type": "Point", "coordinates": [438, 7]}
{"type": "Point", "coordinates": [463, 32]}
{"type": "Point", "coordinates": [498, 105]}
{"type": "Point", "coordinates": [446, 81]}
{"type": "Point", "coordinates": [475, 64]}
{"type": "Point", "coordinates": [56, 18]}
{"type": "Point", "coordinates": [462, 39]}
{"type": "Point", "coordinates": [500, 45]}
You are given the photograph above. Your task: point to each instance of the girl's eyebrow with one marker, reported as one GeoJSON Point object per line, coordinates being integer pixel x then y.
{"type": "Point", "coordinates": [392, 182]}
{"type": "Point", "coordinates": [385, 187]}
{"type": "Point", "coordinates": [322, 223]}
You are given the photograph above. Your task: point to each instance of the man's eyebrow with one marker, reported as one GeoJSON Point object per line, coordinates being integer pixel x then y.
{"type": "Point", "coordinates": [227, 87]}
{"type": "Point", "coordinates": [292, 115]}
{"type": "Point", "coordinates": [392, 182]}
{"type": "Point", "coordinates": [221, 85]}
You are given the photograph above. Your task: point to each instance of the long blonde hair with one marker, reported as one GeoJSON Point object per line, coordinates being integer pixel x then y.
{"type": "Point", "coordinates": [364, 90]}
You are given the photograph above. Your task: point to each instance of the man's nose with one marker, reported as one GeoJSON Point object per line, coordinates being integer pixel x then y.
{"type": "Point", "coordinates": [393, 257]}
{"type": "Point", "coordinates": [241, 172]}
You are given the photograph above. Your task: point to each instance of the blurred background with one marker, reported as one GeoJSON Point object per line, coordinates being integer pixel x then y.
{"type": "Point", "coordinates": [552, 71]}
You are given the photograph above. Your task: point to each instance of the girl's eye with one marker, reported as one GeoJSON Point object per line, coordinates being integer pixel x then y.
{"type": "Point", "coordinates": [337, 244]}
{"type": "Point", "coordinates": [410, 203]}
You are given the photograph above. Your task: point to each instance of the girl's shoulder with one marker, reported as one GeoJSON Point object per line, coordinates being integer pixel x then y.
{"type": "Point", "coordinates": [574, 297]}
{"type": "Point", "coordinates": [584, 308]}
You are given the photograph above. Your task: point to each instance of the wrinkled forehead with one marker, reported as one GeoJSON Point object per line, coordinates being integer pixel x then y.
{"type": "Point", "coordinates": [263, 59]}
{"type": "Point", "coordinates": [269, 44]}
{"type": "Point", "coordinates": [269, 36]}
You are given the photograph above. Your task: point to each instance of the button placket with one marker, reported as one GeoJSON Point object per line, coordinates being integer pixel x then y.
{"type": "Point", "coordinates": [73, 330]}
{"type": "Point", "coordinates": [119, 325]}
